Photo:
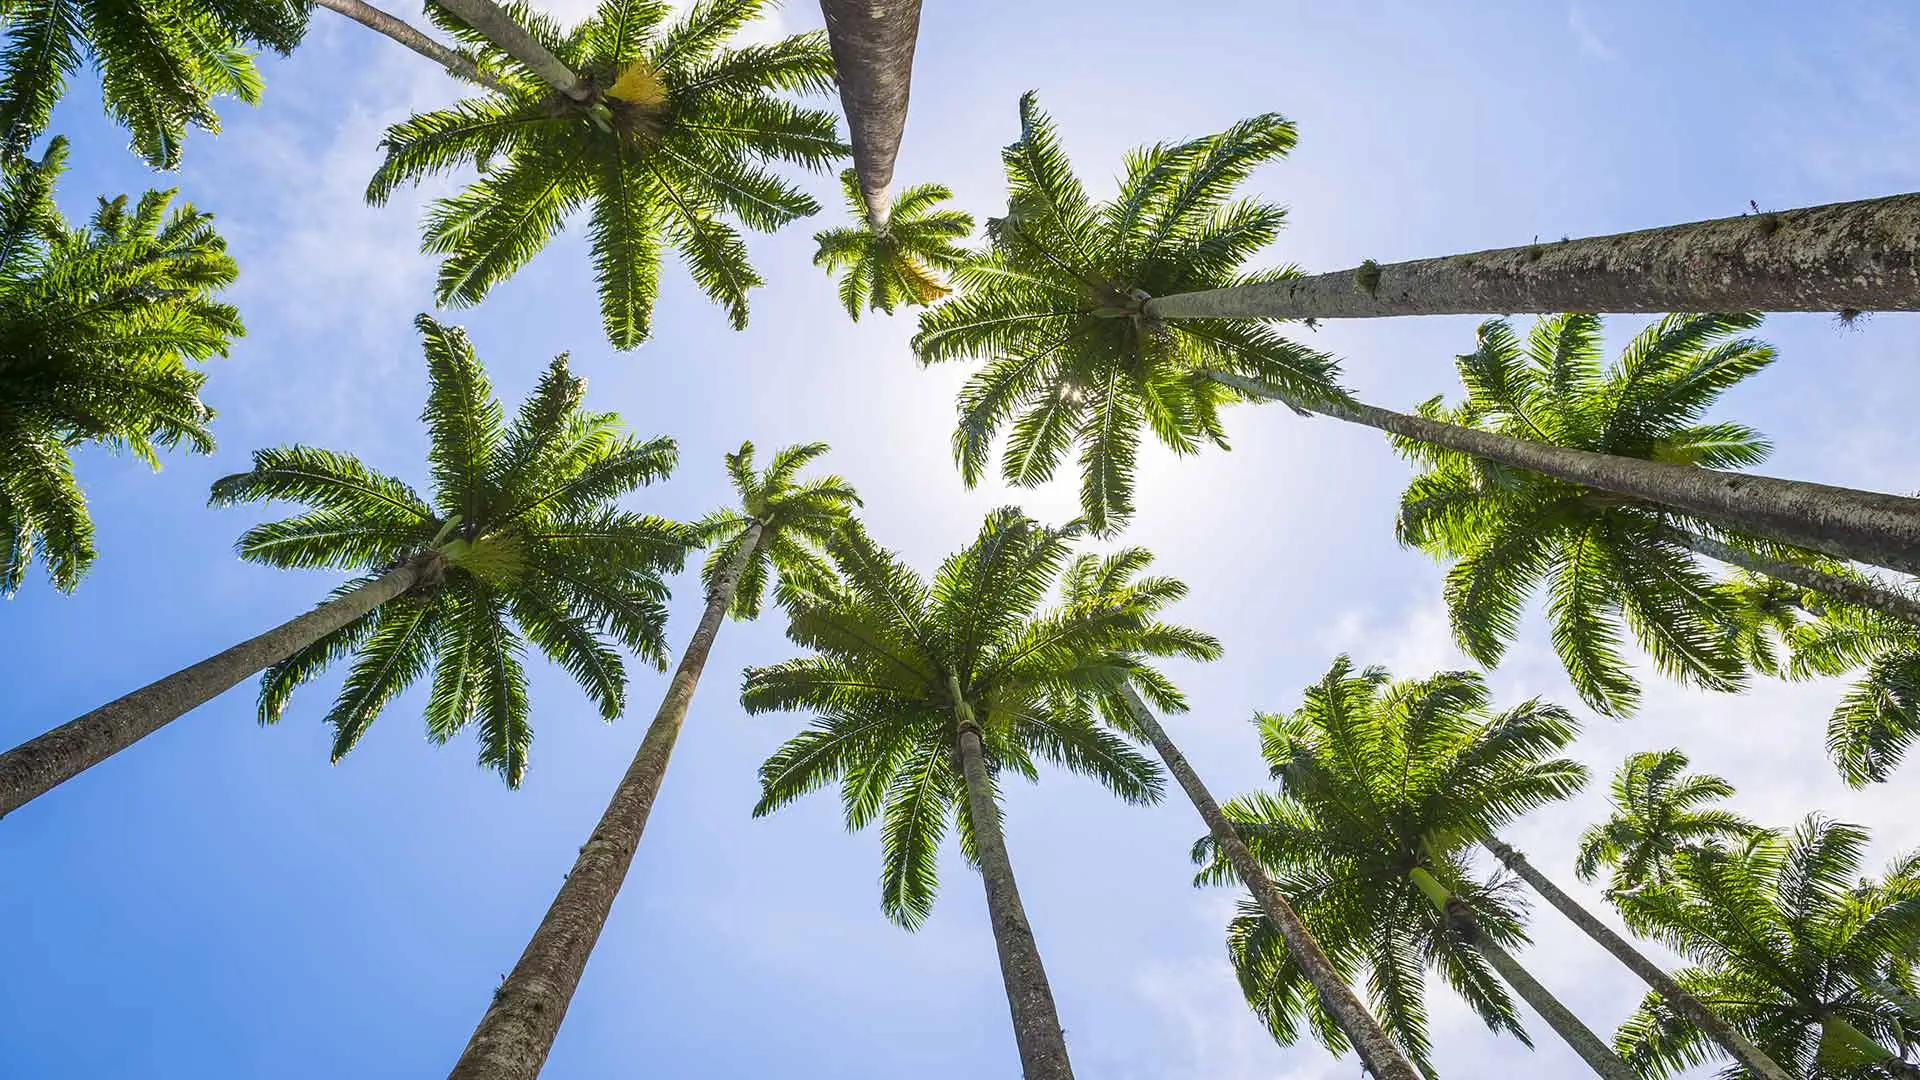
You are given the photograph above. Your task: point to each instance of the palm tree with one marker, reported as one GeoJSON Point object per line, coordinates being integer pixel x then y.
{"type": "Point", "coordinates": [161, 63]}
{"type": "Point", "coordinates": [778, 528]}
{"type": "Point", "coordinates": [1658, 810]}
{"type": "Point", "coordinates": [1845, 257]}
{"type": "Point", "coordinates": [872, 44]}
{"type": "Point", "coordinates": [1110, 584]}
{"type": "Point", "coordinates": [1053, 307]}
{"type": "Point", "coordinates": [460, 65]}
{"type": "Point", "coordinates": [97, 325]}
{"type": "Point", "coordinates": [901, 262]}
{"type": "Point", "coordinates": [522, 529]}
{"type": "Point", "coordinates": [1383, 786]}
{"type": "Point", "coordinates": [927, 693]}
{"type": "Point", "coordinates": [673, 135]}
{"type": "Point", "coordinates": [1781, 939]}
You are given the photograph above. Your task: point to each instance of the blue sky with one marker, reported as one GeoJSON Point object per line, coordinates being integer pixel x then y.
{"type": "Point", "coordinates": [220, 902]}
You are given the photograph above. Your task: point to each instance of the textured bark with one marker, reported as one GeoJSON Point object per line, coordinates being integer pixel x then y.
{"type": "Point", "coordinates": [1859, 593]}
{"type": "Point", "coordinates": [514, 40]}
{"type": "Point", "coordinates": [872, 42]}
{"type": "Point", "coordinates": [1378, 1054]}
{"type": "Point", "coordinates": [1856, 256]}
{"type": "Point", "coordinates": [40, 764]}
{"type": "Point", "coordinates": [1756, 1062]}
{"type": "Point", "coordinates": [1036, 1022]}
{"type": "Point", "coordinates": [459, 65]}
{"type": "Point", "coordinates": [1846, 523]}
{"type": "Point", "coordinates": [1577, 1035]}
{"type": "Point", "coordinates": [515, 1036]}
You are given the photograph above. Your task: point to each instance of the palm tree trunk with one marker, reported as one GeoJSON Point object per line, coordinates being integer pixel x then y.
{"type": "Point", "coordinates": [1378, 1054]}
{"type": "Point", "coordinates": [44, 762]}
{"type": "Point", "coordinates": [1755, 1061]}
{"type": "Point", "coordinates": [1846, 1047]}
{"type": "Point", "coordinates": [1460, 919]}
{"type": "Point", "coordinates": [514, 40]}
{"type": "Point", "coordinates": [459, 65]}
{"type": "Point", "coordinates": [1846, 523]}
{"type": "Point", "coordinates": [872, 43]}
{"type": "Point", "coordinates": [1859, 593]}
{"type": "Point", "coordinates": [1036, 1022]}
{"type": "Point", "coordinates": [515, 1036]}
{"type": "Point", "coordinates": [1842, 257]}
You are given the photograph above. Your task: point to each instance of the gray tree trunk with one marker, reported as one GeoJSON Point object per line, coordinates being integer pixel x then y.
{"type": "Point", "coordinates": [1858, 593]}
{"type": "Point", "coordinates": [1856, 256]}
{"type": "Point", "coordinates": [516, 1034]}
{"type": "Point", "coordinates": [514, 40]}
{"type": "Point", "coordinates": [458, 64]}
{"type": "Point", "coordinates": [42, 763]}
{"type": "Point", "coordinates": [1036, 1021]}
{"type": "Point", "coordinates": [1864, 526]}
{"type": "Point", "coordinates": [1756, 1062]}
{"type": "Point", "coordinates": [872, 43]}
{"type": "Point", "coordinates": [1377, 1051]}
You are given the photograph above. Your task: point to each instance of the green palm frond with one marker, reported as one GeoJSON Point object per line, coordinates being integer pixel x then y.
{"type": "Point", "coordinates": [1658, 810]}
{"type": "Point", "coordinates": [796, 520]}
{"type": "Point", "coordinates": [901, 261]}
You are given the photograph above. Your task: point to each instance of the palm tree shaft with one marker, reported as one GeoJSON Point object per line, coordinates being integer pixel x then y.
{"type": "Point", "coordinates": [380, 22]}
{"type": "Point", "coordinates": [40, 764]}
{"type": "Point", "coordinates": [1864, 594]}
{"type": "Point", "coordinates": [872, 42]}
{"type": "Point", "coordinates": [512, 38]}
{"type": "Point", "coordinates": [515, 1036]}
{"type": "Point", "coordinates": [1859, 256]}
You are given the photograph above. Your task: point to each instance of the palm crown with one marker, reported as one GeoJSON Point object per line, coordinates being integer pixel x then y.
{"type": "Point", "coordinates": [901, 262]}
{"type": "Point", "coordinates": [1658, 811]}
{"type": "Point", "coordinates": [1379, 778]}
{"type": "Point", "coordinates": [1606, 561]}
{"type": "Point", "coordinates": [161, 63]}
{"type": "Point", "coordinates": [1878, 717]}
{"type": "Point", "coordinates": [889, 653]}
{"type": "Point", "coordinates": [1788, 941]}
{"type": "Point", "coordinates": [98, 324]}
{"type": "Point", "coordinates": [526, 534]}
{"type": "Point", "coordinates": [1051, 307]}
{"type": "Point", "coordinates": [796, 521]}
{"type": "Point", "coordinates": [674, 140]}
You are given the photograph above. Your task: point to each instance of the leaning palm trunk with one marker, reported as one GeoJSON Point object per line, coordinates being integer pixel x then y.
{"type": "Point", "coordinates": [1036, 1022]}
{"type": "Point", "coordinates": [1859, 593]}
{"type": "Point", "coordinates": [512, 38]}
{"type": "Point", "coordinates": [872, 43]}
{"type": "Point", "coordinates": [459, 65]}
{"type": "Point", "coordinates": [40, 764]}
{"type": "Point", "coordinates": [1461, 920]}
{"type": "Point", "coordinates": [515, 1036]}
{"type": "Point", "coordinates": [1865, 526]}
{"type": "Point", "coordinates": [1842, 257]}
{"type": "Point", "coordinates": [1751, 1057]}
{"type": "Point", "coordinates": [1378, 1054]}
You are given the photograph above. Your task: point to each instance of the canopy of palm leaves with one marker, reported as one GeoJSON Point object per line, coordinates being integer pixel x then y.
{"type": "Point", "coordinates": [903, 265]}
{"type": "Point", "coordinates": [1379, 777]}
{"type": "Point", "coordinates": [98, 324]}
{"type": "Point", "coordinates": [886, 643]}
{"type": "Point", "coordinates": [523, 513]}
{"type": "Point", "coordinates": [1112, 583]}
{"type": "Point", "coordinates": [161, 63]}
{"type": "Point", "coordinates": [675, 140]}
{"type": "Point", "coordinates": [1782, 931]}
{"type": "Point", "coordinates": [1611, 566]}
{"type": "Point", "coordinates": [1051, 308]}
{"type": "Point", "coordinates": [1658, 810]}
{"type": "Point", "coordinates": [797, 521]}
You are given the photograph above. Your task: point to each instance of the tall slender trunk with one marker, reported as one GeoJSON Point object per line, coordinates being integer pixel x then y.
{"type": "Point", "coordinates": [872, 43]}
{"type": "Point", "coordinates": [1846, 523]}
{"type": "Point", "coordinates": [515, 1036]}
{"type": "Point", "coordinates": [1855, 256]}
{"type": "Point", "coordinates": [1383, 1060]}
{"type": "Point", "coordinates": [458, 64]}
{"type": "Point", "coordinates": [513, 39]}
{"type": "Point", "coordinates": [1859, 593]}
{"type": "Point", "coordinates": [1036, 1022]}
{"type": "Point", "coordinates": [42, 763]}
{"type": "Point", "coordinates": [1756, 1062]}
{"type": "Point", "coordinates": [1462, 921]}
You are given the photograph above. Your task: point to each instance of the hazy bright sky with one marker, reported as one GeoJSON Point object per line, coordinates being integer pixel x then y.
{"type": "Point", "coordinates": [220, 902]}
